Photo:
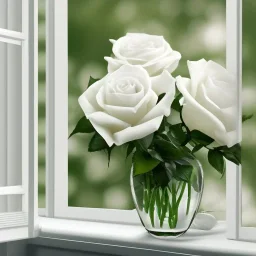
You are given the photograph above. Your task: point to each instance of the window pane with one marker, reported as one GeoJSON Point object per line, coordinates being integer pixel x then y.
{"type": "Point", "coordinates": [11, 14]}
{"type": "Point", "coordinates": [249, 107]}
{"type": "Point", "coordinates": [195, 32]}
{"type": "Point", "coordinates": [10, 203]}
{"type": "Point", "coordinates": [10, 115]}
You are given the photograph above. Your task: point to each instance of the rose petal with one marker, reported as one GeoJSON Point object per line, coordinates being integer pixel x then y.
{"type": "Point", "coordinates": [213, 92]}
{"type": "Point", "coordinates": [114, 64]}
{"type": "Point", "coordinates": [196, 117]}
{"type": "Point", "coordinates": [130, 115]}
{"type": "Point", "coordinates": [124, 100]}
{"type": "Point", "coordinates": [169, 62]}
{"type": "Point", "coordinates": [197, 74]}
{"type": "Point", "coordinates": [138, 131]}
{"type": "Point", "coordinates": [217, 72]}
{"type": "Point", "coordinates": [88, 100]}
{"type": "Point", "coordinates": [106, 125]}
{"type": "Point", "coordinates": [226, 116]}
{"type": "Point", "coordinates": [135, 72]}
{"type": "Point", "coordinates": [164, 83]}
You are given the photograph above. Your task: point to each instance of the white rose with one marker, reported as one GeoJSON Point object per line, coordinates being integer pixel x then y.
{"type": "Point", "coordinates": [123, 106]}
{"type": "Point", "coordinates": [151, 52]}
{"type": "Point", "coordinates": [210, 101]}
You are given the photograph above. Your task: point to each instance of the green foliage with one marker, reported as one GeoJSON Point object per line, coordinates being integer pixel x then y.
{"type": "Point", "coordinates": [201, 138]}
{"type": "Point", "coordinates": [160, 97]}
{"type": "Point", "coordinates": [168, 151]}
{"type": "Point", "coordinates": [143, 163]}
{"type": "Point", "coordinates": [160, 176]}
{"type": "Point", "coordinates": [233, 153]}
{"type": "Point", "coordinates": [146, 141]}
{"type": "Point", "coordinates": [217, 161]}
{"type": "Point", "coordinates": [246, 117]}
{"type": "Point", "coordinates": [176, 103]}
{"type": "Point", "coordinates": [97, 143]}
{"type": "Point", "coordinates": [178, 133]}
{"type": "Point", "coordinates": [197, 148]}
{"type": "Point", "coordinates": [152, 206]}
{"type": "Point", "coordinates": [83, 126]}
{"type": "Point", "coordinates": [92, 81]}
{"type": "Point", "coordinates": [180, 170]}
{"type": "Point", "coordinates": [130, 149]}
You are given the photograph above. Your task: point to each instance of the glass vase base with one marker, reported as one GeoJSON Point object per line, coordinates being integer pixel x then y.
{"type": "Point", "coordinates": [166, 235]}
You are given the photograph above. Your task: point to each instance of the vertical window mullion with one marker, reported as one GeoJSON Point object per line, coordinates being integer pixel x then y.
{"type": "Point", "coordinates": [234, 65]}
{"type": "Point", "coordinates": [3, 108]}
{"type": "Point", "coordinates": [56, 108]}
{"type": "Point", "coordinates": [14, 110]}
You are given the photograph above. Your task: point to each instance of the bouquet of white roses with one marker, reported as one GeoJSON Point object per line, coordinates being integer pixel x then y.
{"type": "Point", "coordinates": [130, 106]}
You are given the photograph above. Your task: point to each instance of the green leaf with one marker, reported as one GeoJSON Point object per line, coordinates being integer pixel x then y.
{"type": "Point", "coordinates": [169, 151]}
{"type": "Point", "coordinates": [183, 171]}
{"type": "Point", "coordinates": [233, 153]}
{"type": "Point", "coordinates": [217, 161]}
{"type": "Point", "coordinates": [163, 125]}
{"type": "Point", "coordinates": [130, 149]}
{"type": "Point", "coordinates": [83, 126]}
{"type": "Point", "coordinates": [246, 117]}
{"type": "Point", "coordinates": [146, 141]}
{"type": "Point", "coordinates": [196, 148]}
{"type": "Point", "coordinates": [160, 97]}
{"type": "Point", "coordinates": [143, 163]}
{"type": "Point", "coordinates": [97, 143]}
{"type": "Point", "coordinates": [92, 81]}
{"type": "Point", "coordinates": [160, 176]}
{"type": "Point", "coordinates": [176, 104]}
{"type": "Point", "coordinates": [109, 150]}
{"type": "Point", "coordinates": [231, 157]}
{"type": "Point", "coordinates": [155, 155]}
{"type": "Point", "coordinates": [178, 133]}
{"type": "Point", "coordinates": [201, 138]}
{"type": "Point", "coordinates": [170, 168]}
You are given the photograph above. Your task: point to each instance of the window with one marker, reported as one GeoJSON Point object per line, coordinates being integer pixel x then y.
{"type": "Point", "coordinates": [88, 188]}
{"type": "Point", "coordinates": [65, 67]}
{"type": "Point", "coordinates": [18, 119]}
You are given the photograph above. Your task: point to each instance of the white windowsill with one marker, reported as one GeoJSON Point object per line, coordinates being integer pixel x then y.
{"type": "Point", "coordinates": [134, 240]}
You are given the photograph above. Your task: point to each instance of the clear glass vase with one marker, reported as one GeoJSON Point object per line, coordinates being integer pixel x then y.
{"type": "Point", "coordinates": [167, 211]}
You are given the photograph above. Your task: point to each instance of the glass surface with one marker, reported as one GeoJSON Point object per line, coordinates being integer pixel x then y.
{"type": "Point", "coordinates": [249, 107]}
{"type": "Point", "coordinates": [11, 14]}
{"type": "Point", "coordinates": [167, 209]}
{"type": "Point", "coordinates": [10, 115]}
{"type": "Point", "coordinates": [197, 32]}
{"type": "Point", "coordinates": [10, 203]}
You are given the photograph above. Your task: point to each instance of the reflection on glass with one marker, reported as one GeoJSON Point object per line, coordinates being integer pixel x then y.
{"type": "Point", "coordinates": [249, 107]}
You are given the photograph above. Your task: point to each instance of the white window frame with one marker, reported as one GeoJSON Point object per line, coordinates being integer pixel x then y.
{"type": "Point", "coordinates": [23, 224]}
{"type": "Point", "coordinates": [235, 230]}
{"type": "Point", "coordinates": [57, 125]}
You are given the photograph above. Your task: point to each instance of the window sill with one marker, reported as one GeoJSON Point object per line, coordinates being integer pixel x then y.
{"type": "Point", "coordinates": [134, 240]}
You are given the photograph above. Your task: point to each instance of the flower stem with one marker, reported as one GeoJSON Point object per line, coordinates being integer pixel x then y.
{"type": "Point", "coordinates": [189, 197]}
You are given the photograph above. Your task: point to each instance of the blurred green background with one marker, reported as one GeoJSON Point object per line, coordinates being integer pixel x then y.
{"type": "Point", "coordinates": [196, 28]}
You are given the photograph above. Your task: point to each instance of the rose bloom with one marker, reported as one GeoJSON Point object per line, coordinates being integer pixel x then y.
{"type": "Point", "coordinates": [123, 106]}
{"type": "Point", "coordinates": [210, 100]}
{"type": "Point", "coordinates": [151, 52]}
